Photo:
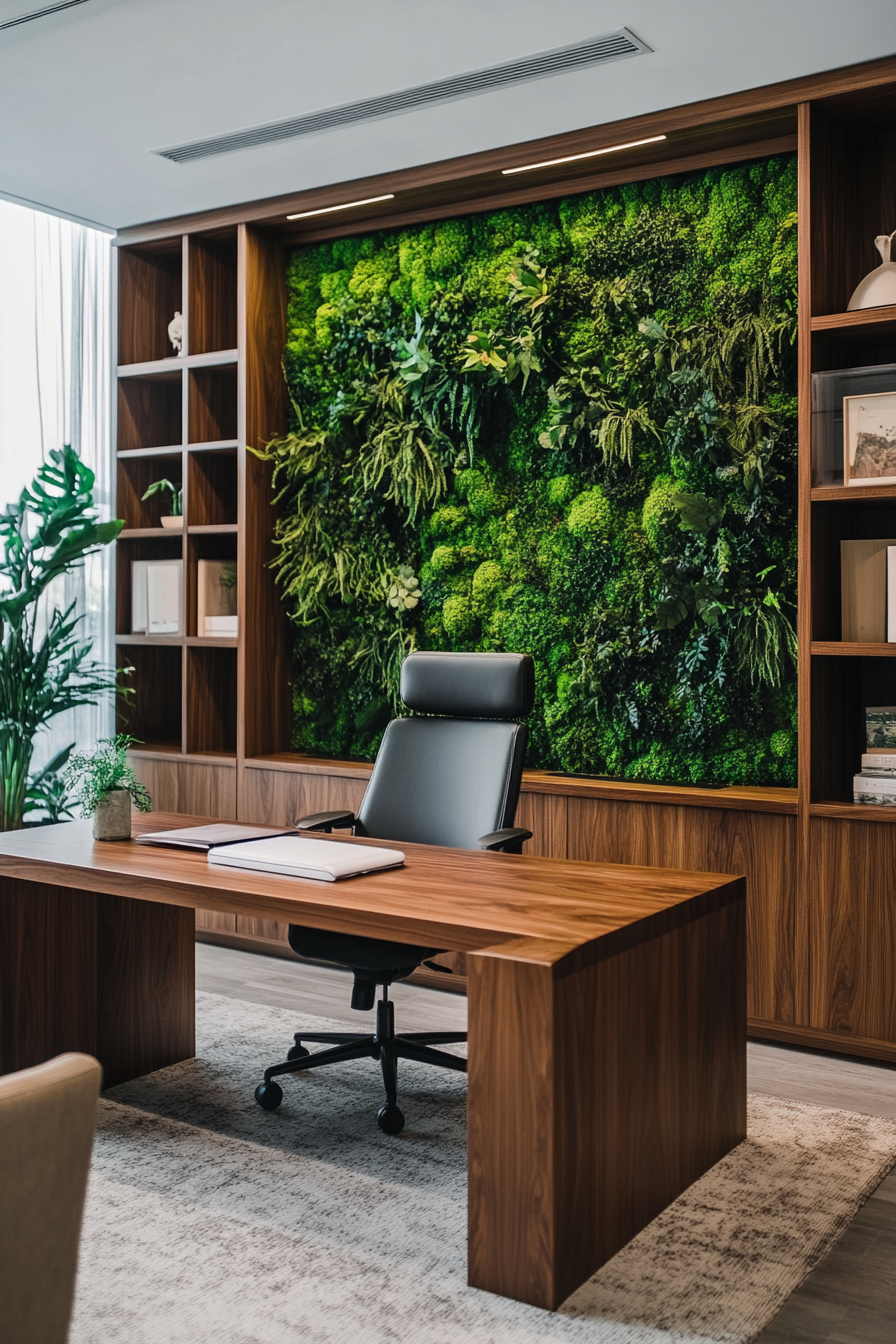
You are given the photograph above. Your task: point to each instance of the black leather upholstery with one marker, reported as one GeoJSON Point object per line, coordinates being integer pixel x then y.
{"type": "Point", "coordinates": [439, 781]}
{"type": "Point", "coordinates": [469, 685]}
{"type": "Point", "coordinates": [443, 781]}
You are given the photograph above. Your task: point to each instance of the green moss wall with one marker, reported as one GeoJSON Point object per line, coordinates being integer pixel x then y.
{"type": "Point", "coordinates": [570, 430]}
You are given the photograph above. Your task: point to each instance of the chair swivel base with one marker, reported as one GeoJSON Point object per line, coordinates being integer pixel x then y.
{"type": "Point", "coordinates": [384, 1045]}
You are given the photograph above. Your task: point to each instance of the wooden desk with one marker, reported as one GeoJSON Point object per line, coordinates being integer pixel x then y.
{"type": "Point", "coordinates": [607, 1051]}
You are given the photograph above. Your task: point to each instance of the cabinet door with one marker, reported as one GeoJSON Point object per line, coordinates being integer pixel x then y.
{"type": "Point", "coordinates": [852, 912]}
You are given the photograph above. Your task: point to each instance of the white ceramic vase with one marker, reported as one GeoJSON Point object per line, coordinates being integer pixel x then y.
{"type": "Point", "coordinates": [173, 521]}
{"type": "Point", "coordinates": [112, 818]}
{"type": "Point", "coordinates": [878, 289]}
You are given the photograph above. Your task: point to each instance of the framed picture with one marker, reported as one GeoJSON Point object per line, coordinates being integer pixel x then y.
{"type": "Point", "coordinates": [869, 439]}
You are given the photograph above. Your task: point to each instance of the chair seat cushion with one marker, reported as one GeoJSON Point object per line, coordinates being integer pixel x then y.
{"type": "Point", "coordinates": [348, 949]}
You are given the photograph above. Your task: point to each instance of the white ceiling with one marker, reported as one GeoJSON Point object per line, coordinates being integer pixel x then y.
{"type": "Point", "coordinates": [88, 93]}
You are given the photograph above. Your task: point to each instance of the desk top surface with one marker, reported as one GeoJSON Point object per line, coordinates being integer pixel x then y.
{"type": "Point", "coordinates": [536, 908]}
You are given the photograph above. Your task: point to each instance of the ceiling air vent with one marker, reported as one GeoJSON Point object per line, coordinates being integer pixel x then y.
{"type": "Point", "coordinates": [40, 13]}
{"type": "Point", "coordinates": [594, 51]}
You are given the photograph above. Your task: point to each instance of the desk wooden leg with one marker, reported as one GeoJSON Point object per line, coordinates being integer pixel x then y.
{"type": "Point", "coordinates": [598, 1092]}
{"type": "Point", "coordinates": [109, 976]}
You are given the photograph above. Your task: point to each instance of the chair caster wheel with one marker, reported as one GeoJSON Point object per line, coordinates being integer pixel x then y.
{"type": "Point", "coordinates": [297, 1052]}
{"type": "Point", "coordinates": [269, 1096]}
{"type": "Point", "coordinates": [390, 1119]}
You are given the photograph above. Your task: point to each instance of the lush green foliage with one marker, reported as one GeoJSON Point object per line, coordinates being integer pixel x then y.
{"type": "Point", "coordinates": [91, 775]}
{"type": "Point", "coordinates": [566, 429]}
{"type": "Point", "coordinates": [45, 534]}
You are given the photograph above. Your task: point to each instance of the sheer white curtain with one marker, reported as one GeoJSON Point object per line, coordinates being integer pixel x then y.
{"type": "Point", "coordinates": [55, 324]}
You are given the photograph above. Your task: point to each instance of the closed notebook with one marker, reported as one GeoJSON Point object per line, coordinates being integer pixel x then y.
{"type": "Point", "coordinates": [298, 856]}
{"type": "Point", "coordinates": [206, 837]}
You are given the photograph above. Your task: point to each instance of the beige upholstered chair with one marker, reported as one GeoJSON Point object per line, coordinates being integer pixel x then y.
{"type": "Point", "coordinates": [47, 1119]}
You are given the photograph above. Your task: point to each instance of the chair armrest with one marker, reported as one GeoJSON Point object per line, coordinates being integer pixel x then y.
{"type": "Point", "coordinates": [325, 821]}
{"type": "Point", "coordinates": [508, 841]}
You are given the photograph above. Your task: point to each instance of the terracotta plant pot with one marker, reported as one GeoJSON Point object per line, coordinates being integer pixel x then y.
{"type": "Point", "coordinates": [112, 819]}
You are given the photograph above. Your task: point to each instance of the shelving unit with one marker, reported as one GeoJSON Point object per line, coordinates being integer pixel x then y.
{"type": "Point", "coordinates": [848, 865]}
{"type": "Point", "coordinates": [188, 417]}
{"type": "Point", "coordinates": [214, 714]}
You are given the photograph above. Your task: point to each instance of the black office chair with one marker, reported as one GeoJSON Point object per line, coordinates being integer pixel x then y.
{"type": "Point", "coordinates": [448, 777]}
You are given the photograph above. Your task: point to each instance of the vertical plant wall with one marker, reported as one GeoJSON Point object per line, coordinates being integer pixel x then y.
{"type": "Point", "coordinates": [569, 430]}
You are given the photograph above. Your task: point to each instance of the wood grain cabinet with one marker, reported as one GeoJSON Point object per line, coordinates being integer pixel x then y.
{"type": "Point", "coordinates": [213, 715]}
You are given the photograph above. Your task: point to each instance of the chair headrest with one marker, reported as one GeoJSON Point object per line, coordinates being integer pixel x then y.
{"type": "Point", "coordinates": [469, 685]}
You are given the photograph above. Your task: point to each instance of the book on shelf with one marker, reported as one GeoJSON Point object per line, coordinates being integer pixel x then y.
{"type": "Point", "coordinates": [864, 595]}
{"type": "Point", "coordinates": [164, 597]}
{"type": "Point", "coordinates": [138, 597]}
{"type": "Point", "coordinates": [879, 763]}
{"type": "Point", "coordinates": [877, 789]}
{"type": "Point", "coordinates": [216, 611]}
{"type": "Point", "coordinates": [157, 597]}
{"type": "Point", "coordinates": [880, 728]}
{"type": "Point", "coordinates": [891, 594]}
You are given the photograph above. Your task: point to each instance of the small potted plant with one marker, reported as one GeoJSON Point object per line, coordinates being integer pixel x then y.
{"type": "Point", "coordinates": [103, 784]}
{"type": "Point", "coordinates": [174, 519]}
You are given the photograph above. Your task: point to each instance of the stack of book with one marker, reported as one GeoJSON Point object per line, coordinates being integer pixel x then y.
{"type": "Point", "coordinates": [877, 781]}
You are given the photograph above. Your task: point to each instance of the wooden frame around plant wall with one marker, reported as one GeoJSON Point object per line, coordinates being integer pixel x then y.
{"type": "Point", "coordinates": [821, 869]}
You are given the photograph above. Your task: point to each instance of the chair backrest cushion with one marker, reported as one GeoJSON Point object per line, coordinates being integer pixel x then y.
{"type": "Point", "coordinates": [47, 1118]}
{"type": "Point", "coordinates": [441, 781]}
{"type": "Point", "coordinates": [469, 685]}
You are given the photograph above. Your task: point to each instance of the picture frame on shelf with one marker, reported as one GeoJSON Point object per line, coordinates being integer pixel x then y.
{"type": "Point", "coordinates": [869, 439]}
{"type": "Point", "coordinates": [831, 390]}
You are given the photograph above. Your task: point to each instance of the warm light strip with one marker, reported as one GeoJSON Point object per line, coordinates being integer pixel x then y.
{"type": "Point", "coordinates": [592, 154]}
{"type": "Point", "coordinates": [349, 205]}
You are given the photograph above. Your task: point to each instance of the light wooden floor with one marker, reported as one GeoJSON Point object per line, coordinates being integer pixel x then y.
{"type": "Point", "coordinates": [849, 1299]}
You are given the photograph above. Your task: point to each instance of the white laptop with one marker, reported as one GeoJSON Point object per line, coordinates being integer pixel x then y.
{"type": "Point", "coordinates": [299, 856]}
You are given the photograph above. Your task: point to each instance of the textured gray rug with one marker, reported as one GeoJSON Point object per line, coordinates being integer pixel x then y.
{"type": "Point", "coordinates": [212, 1222]}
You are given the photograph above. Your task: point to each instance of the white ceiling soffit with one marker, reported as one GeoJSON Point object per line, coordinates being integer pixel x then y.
{"type": "Point", "coordinates": [593, 51]}
{"type": "Point", "coordinates": [88, 92]}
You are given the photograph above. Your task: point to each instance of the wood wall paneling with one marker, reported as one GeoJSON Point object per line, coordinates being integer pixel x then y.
{"type": "Point", "coordinates": [149, 411]}
{"type": "Point", "coordinates": [852, 880]}
{"type": "Point", "coordinates": [212, 488]}
{"type": "Point", "coordinates": [155, 713]}
{"type": "Point", "coordinates": [211, 700]}
{"type": "Point", "coordinates": [212, 404]}
{"type": "Point", "coordinates": [762, 846]}
{"type": "Point", "coordinates": [281, 797]}
{"type": "Point", "coordinates": [197, 788]}
{"type": "Point", "coordinates": [545, 815]}
{"type": "Point", "coordinates": [149, 294]}
{"type": "Point", "coordinates": [212, 291]}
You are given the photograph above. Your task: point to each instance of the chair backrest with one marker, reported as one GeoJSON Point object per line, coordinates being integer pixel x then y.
{"type": "Point", "coordinates": [454, 775]}
{"type": "Point", "coordinates": [47, 1119]}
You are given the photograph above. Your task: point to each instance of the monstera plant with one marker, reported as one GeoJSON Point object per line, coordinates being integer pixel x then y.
{"type": "Point", "coordinates": [44, 667]}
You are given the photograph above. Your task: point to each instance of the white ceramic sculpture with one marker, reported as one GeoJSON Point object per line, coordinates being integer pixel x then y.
{"type": "Point", "coordinates": [878, 289]}
{"type": "Point", "coordinates": [176, 332]}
